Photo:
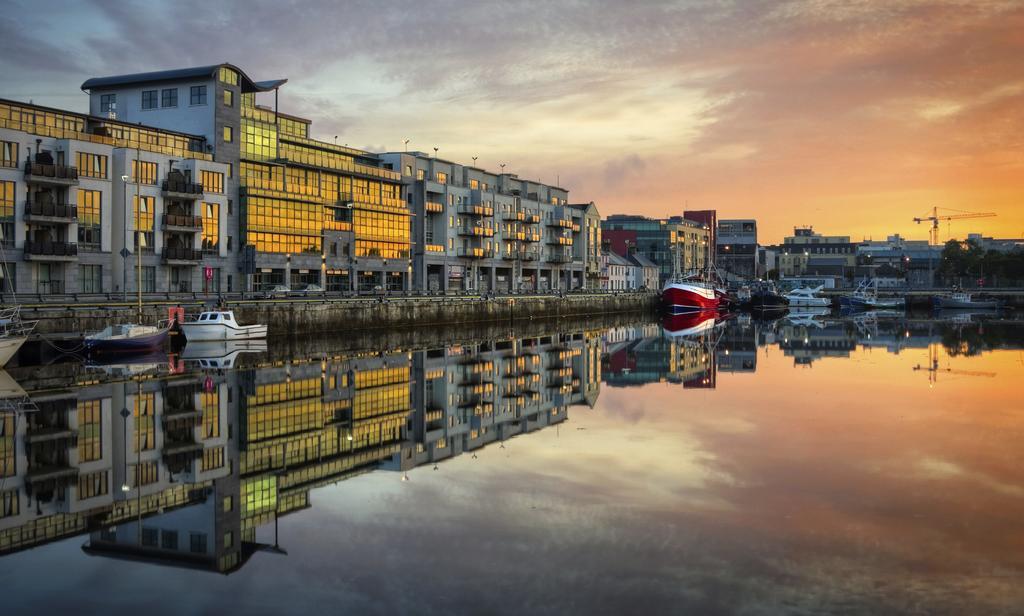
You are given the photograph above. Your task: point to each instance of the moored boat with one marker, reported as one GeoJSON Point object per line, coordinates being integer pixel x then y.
{"type": "Point", "coordinates": [804, 296]}
{"type": "Point", "coordinates": [865, 297]}
{"type": "Point", "coordinates": [961, 300]}
{"type": "Point", "coordinates": [220, 325]}
{"type": "Point", "coordinates": [681, 296]}
{"type": "Point", "coordinates": [13, 333]}
{"type": "Point", "coordinates": [128, 338]}
{"type": "Point", "coordinates": [764, 297]}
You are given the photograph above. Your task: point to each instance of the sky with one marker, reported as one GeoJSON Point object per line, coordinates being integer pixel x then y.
{"type": "Point", "coordinates": [851, 116]}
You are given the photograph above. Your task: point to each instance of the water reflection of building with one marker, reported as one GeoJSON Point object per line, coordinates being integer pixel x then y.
{"type": "Point", "coordinates": [183, 471]}
{"type": "Point", "coordinates": [639, 355]}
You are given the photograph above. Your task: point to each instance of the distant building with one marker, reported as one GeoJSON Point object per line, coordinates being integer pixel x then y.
{"type": "Point", "coordinates": [736, 249]}
{"type": "Point", "coordinates": [619, 272]}
{"type": "Point", "coordinates": [806, 253]}
{"type": "Point", "coordinates": [675, 245]}
{"type": "Point", "coordinates": [646, 272]}
{"type": "Point", "coordinates": [915, 258]}
{"type": "Point", "coordinates": [999, 245]}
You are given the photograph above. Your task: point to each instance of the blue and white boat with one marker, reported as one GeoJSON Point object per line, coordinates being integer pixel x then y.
{"type": "Point", "coordinates": [128, 338]}
{"type": "Point", "coordinates": [865, 297]}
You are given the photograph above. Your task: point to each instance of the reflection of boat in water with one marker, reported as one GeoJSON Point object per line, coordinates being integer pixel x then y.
{"type": "Point", "coordinates": [120, 365]}
{"type": "Point", "coordinates": [220, 355]}
{"type": "Point", "coordinates": [961, 315]}
{"type": "Point", "coordinates": [13, 398]}
{"type": "Point", "coordinates": [959, 300]}
{"type": "Point", "coordinates": [13, 333]}
{"type": "Point", "coordinates": [807, 316]}
{"type": "Point", "coordinates": [690, 324]}
{"type": "Point", "coordinates": [865, 297]}
{"type": "Point", "coordinates": [687, 295]}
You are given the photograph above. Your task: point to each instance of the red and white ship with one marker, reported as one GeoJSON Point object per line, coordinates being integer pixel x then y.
{"type": "Point", "coordinates": [681, 296]}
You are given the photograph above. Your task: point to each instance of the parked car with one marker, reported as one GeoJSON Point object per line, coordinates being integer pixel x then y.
{"type": "Point", "coordinates": [278, 290]}
{"type": "Point", "coordinates": [308, 290]}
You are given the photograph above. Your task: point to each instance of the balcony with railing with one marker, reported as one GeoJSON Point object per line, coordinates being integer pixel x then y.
{"type": "Point", "coordinates": [182, 222]}
{"type": "Point", "coordinates": [36, 211]}
{"type": "Point", "coordinates": [476, 230]}
{"type": "Point", "coordinates": [560, 240]}
{"type": "Point", "coordinates": [532, 219]}
{"type": "Point", "coordinates": [433, 207]}
{"type": "Point", "coordinates": [513, 215]}
{"type": "Point", "coordinates": [531, 237]}
{"type": "Point", "coordinates": [50, 251]}
{"type": "Point", "coordinates": [181, 254]}
{"type": "Point", "coordinates": [50, 174]}
{"type": "Point", "coordinates": [528, 255]}
{"type": "Point", "coordinates": [180, 189]}
{"type": "Point", "coordinates": [476, 210]}
{"type": "Point", "coordinates": [560, 257]}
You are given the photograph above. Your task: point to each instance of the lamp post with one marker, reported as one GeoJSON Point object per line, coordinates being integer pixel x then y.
{"type": "Point", "coordinates": [124, 251]}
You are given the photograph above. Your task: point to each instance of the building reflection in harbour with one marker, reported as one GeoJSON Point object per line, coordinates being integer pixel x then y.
{"type": "Point", "coordinates": [182, 462]}
{"type": "Point", "coordinates": [182, 466]}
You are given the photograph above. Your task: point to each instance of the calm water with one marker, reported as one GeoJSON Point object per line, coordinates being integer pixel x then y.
{"type": "Point", "coordinates": [808, 465]}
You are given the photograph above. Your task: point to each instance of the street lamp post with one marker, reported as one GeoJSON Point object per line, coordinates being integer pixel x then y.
{"type": "Point", "coordinates": [124, 251]}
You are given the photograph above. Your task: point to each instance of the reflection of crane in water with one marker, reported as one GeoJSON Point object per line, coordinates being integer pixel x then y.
{"type": "Point", "coordinates": [933, 368]}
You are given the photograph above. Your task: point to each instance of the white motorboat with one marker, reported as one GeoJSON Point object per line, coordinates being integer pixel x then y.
{"type": "Point", "coordinates": [220, 325]}
{"type": "Point", "coordinates": [804, 296]}
{"type": "Point", "coordinates": [13, 333]}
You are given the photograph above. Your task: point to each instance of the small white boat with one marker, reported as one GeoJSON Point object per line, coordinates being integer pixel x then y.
{"type": "Point", "coordinates": [220, 325]}
{"type": "Point", "coordinates": [13, 333]}
{"type": "Point", "coordinates": [807, 297]}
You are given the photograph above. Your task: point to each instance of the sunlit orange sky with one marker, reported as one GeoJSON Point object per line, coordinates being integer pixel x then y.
{"type": "Point", "coordinates": [853, 117]}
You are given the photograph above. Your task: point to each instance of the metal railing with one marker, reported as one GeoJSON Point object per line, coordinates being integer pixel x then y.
{"type": "Point", "coordinates": [53, 249]}
{"type": "Point", "coordinates": [183, 188]}
{"type": "Point", "coordinates": [53, 210]}
{"type": "Point", "coordinates": [177, 253]}
{"type": "Point", "coordinates": [182, 220]}
{"type": "Point", "coordinates": [57, 172]}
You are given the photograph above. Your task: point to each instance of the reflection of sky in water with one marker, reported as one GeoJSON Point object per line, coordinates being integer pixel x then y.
{"type": "Point", "coordinates": [849, 485]}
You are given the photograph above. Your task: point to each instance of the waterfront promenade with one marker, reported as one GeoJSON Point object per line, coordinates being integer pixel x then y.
{"type": "Point", "coordinates": [69, 317]}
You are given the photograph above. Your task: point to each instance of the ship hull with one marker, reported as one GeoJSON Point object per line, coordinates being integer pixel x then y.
{"type": "Point", "coordinates": [680, 298]}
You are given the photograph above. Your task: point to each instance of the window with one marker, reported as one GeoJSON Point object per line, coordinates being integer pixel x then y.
{"type": "Point", "coordinates": [474, 184]}
{"type": "Point", "coordinates": [442, 177]}
{"type": "Point", "coordinates": [197, 95]}
{"type": "Point", "coordinates": [7, 213]}
{"type": "Point", "coordinates": [408, 170]}
{"type": "Point", "coordinates": [229, 539]}
{"type": "Point", "coordinates": [169, 97]}
{"type": "Point", "coordinates": [228, 134]}
{"type": "Point", "coordinates": [228, 503]}
{"type": "Point", "coordinates": [144, 172]}
{"type": "Point", "coordinates": [228, 76]}
{"type": "Point", "coordinates": [197, 543]}
{"type": "Point", "coordinates": [149, 99]}
{"type": "Point", "coordinates": [92, 485]}
{"type": "Point", "coordinates": [108, 103]}
{"type": "Point", "coordinates": [212, 181]}
{"type": "Point", "coordinates": [211, 227]}
{"type": "Point", "coordinates": [9, 503]}
{"type": "Point", "coordinates": [144, 208]}
{"type": "Point", "coordinates": [229, 98]}
{"type": "Point", "coordinates": [420, 174]}
{"type": "Point", "coordinates": [92, 165]}
{"type": "Point", "coordinates": [89, 213]}
{"type": "Point", "coordinates": [7, 446]}
{"type": "Point", "coordinates": [149, 537]}
{"type": "Point", "coordinates": [90, 277]}
{"type": "Point", "coordinates": [169, 539]}
{"type": "Point", "coordinates": [8, 154]}
{"type": "Point", "coordinates": [148, 279]}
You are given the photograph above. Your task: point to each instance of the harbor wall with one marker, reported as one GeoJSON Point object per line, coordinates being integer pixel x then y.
{"type": "Point", "coordinates": [315, 316]}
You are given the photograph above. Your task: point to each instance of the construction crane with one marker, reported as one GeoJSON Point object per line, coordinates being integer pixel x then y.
{"type": "Point", "coordinates": [933, 235]}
